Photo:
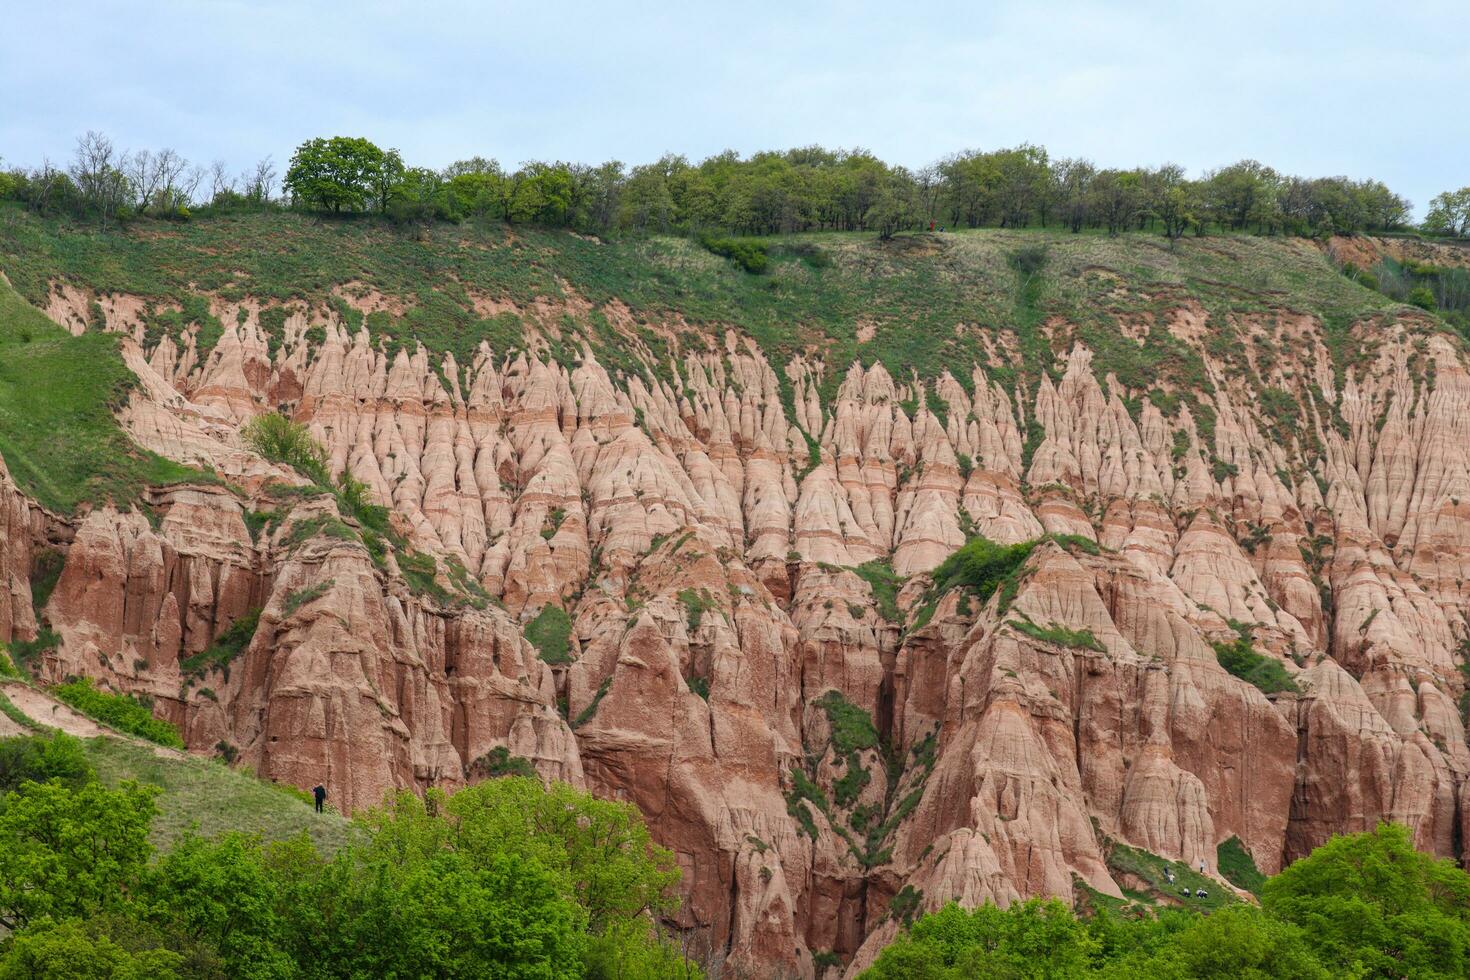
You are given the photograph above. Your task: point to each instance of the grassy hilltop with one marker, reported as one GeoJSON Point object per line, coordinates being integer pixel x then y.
{"type": "Point", "coordinates": [919, 304]}
{"type": "Point", "coordinates": [818, 292]}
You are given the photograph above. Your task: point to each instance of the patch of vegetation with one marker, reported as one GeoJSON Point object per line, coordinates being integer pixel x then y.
{"type": "Point", "coordinates": [1060, 635]}
{"type": "Point", "coordinates": [58, 436]}
{"type": "Point", "coordinates": [905, 905]}
{"type": "Point", "coordinates": [302, 597]}
{"type": "Point", "coordinates": [288, 443]}
{"type": "Point", "coordinates": [499, 762]}
{"type": "Point", "coordinates": [195, 870]}
{"type": "Point", "coordinates": [748, 253]}
{"type": "Point", "coordinates": [225, 648]}
{"type": "Point", "coordinates": [45, 573]}
{"type": "Point", "coordinates": [9, 710]}
{"type": "Point", "coordinates": [1364, 905]}
{"type": "Point", "coordinates": [695, 606]}
{"type": "Point", "coordinates": [1149, 868]}
{"type": "Point", "coordinates": [554, 520]}
{"type": "Point", "coordinates": [852, 728]}
{"type": "Point", "coordinates": [804, 792]}
{"type": "Point", "coordinates": [1240, 659]}
{"type": "Point", "coordinates": [41, 758]}
{"type": "Point", "coordinates": [847, 789]}
{"type": "Point", "coordinates": [322, 525]}
{"type": "Point", "coordinates": [884, 583]}
{"type": "Point", "coordinates": [550, 633]}
{"type": "Point", "coordinates": [118, 711]}
{"type": "Point", "coordinates": [421, 572]}
{"type": "Point", "coordinates": [586, 713]}
{"type": "Point", "coordinates": [1238, 867]}
{"type": "Point", "coordinates": [27, 653]}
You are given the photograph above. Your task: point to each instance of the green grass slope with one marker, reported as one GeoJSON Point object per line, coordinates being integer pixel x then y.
{"type": "Point", "coordinates": [58, 435]}
{"type": "Point", "coordinates": [917, 304]}
{"type": "Point", "coordinates": [205, 795]}
{"type": "Point", "coordinates": [212, 798]}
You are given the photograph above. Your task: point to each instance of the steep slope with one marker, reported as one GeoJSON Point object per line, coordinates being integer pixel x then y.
{"type": "Point", "coordinates": [1238, 456]}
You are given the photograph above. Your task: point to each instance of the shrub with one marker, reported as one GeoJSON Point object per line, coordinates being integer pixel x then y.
{"type": "Point", "coordinates": [852, 728]}
{"type": "Point", "coordinates": [124, 713]}
{"type": "Point", "coordinates": [695, 605]}
{"type": "Point", "coordinates": [885, 584]}
{"type": "Point", "coordinates": [748, 253]}
{"type": "Point", "coordinates": [289, 443]}
{"type": "Point", "coordinates": [40, 758]}
{"type": "Point", "coordinates": [303, 597]}
{"type": "Point", "coordinates": [982, 565]}
{"type": "Point", "coordinates": [1240, 659]}
{"type": "Point", "coordinates": [499, 762]}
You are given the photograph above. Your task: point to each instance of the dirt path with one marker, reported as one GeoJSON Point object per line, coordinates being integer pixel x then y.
{"type": "Point", "coordinates": [43, 709]}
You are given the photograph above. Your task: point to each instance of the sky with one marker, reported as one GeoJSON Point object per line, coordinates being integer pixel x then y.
{"type": "Point", "coordinates": [1366, 90]}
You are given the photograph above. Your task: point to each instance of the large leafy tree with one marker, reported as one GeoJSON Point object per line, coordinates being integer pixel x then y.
{"type": "Point", "coordinates": [75, 950]}
{"type": "Point", "coordinates": [342, 173]}
{"type": "Point", "coordinates": [1449, 213]}
{"type": "Point", "coordinates": [1373, 906]}
{"type": "Point", "coordinates": [70, 853]}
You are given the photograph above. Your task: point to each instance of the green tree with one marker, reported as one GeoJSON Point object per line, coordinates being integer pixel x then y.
{"type": "Point", "coordinates": [1449, 214]}
{"type": "Point", "coordinates": [75, 950]}
{"type": "Point", "coordinates": [341, 173]}
{"type": "Point", "coordinates": [1371, 905]}
{"type": "Point", "coordinates": [1235, 943]}
{"type": "Point", "coordinates": [39, 758]}
{"type": "Point", "coordinates": [222, 894]}
{"type": "Point", "coordinates": [601, 849]}
{"type": "Point", "coordinates": [1029, 939]}
{"type": "Point", "coordinates": [67, 852]}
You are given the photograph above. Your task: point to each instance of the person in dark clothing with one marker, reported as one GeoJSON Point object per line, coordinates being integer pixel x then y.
{"type": "Point", "coordinates": [320, 793]}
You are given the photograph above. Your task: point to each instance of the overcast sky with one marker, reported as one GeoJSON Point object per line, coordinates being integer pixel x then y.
{"type": "Point", "coordinates": [1380, 90]}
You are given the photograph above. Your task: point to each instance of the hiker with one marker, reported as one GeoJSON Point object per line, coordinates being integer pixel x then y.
{"type": "Point", "coordinates": [320, 794]}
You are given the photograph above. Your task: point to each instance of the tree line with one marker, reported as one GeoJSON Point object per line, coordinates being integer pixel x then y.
{"type": "Point", "coordinates": [1365, 905]}
{"type": "Point", "coordinates": [504, 879]}
{"type": "Point", "coordinates": [769, 193]}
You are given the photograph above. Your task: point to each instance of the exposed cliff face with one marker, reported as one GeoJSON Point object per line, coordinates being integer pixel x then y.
{"type": "Point", "coordinates": [703, 525]}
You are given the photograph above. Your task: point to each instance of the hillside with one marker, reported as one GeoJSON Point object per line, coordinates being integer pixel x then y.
{"type": "Point", "coordinates": [681, 534]}
{"type": "Point", "coordinates": [199, 794]}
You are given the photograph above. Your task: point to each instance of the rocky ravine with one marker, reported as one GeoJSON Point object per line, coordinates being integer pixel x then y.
{"type": "Point", "coordinates": [708, 561]}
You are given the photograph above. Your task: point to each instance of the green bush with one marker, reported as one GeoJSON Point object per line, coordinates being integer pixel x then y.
{"type": "Point", "coordinates": [289, 443]}
{"type": "Point", "coordinates": [39, 758]}
{"type": "Point", "coordinates": [748, 253]}
{"type": "Point", "coordinates": [852, 728]}
{"type": "Point", "coordinates": [499, 762]}
{"type": "Point", "coordinates": [1240, 659]}
{"type": "Point", "coordinates": [981, 565]}
{"type": "Point", "coordinates": [119, 711]}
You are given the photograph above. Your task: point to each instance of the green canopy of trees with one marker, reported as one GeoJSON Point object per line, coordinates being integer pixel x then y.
{"type": "Point", "coordinates": [1366, 905]}
{"type": "Point", "coordinates": [805, 189]}
{"type": "Point", "coordinates": [507, 878]}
